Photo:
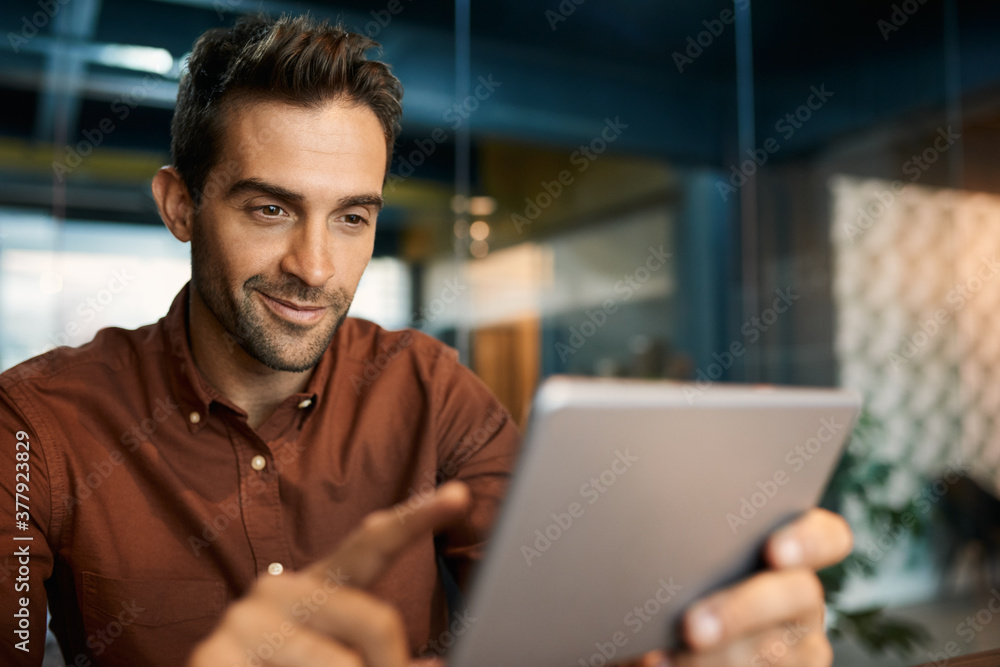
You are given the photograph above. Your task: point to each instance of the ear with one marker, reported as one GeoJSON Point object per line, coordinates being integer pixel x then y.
{"type": "Point", "coordinates": [174, 202]}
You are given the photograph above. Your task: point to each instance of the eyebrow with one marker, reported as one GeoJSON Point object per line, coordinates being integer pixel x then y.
{"type": "Point", "coordinates": [258, 186]}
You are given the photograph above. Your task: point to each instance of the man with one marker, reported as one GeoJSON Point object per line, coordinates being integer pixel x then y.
{"type": "Point", "coordinates": [214, 489]}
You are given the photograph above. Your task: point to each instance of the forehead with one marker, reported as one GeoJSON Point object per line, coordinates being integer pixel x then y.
{"type": "Point", "coordinates": [336, 146]}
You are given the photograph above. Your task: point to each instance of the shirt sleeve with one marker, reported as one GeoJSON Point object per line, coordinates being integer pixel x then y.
{"type": "Point", "coordinates": [478, 444]}
{"type": "Point", "coordinates": [25, 518]}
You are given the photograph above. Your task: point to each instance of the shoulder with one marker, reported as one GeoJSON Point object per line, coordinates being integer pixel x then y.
{"type": "Point", "coordinates": [112, 351]}
{"type": "Point", "coordinates": [371, 358]}
{"type": "Point", "coordinates": [364, 341]}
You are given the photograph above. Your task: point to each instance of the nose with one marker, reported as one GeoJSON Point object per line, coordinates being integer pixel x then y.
{"type": "Point", "coordinates": [309, 256]}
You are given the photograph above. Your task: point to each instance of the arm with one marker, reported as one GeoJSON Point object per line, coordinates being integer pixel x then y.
{"type": "Point", "coordinates": [478, 444]}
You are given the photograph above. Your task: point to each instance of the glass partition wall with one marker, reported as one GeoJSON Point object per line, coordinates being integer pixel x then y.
{"type": "Point", "coordinates": [779, 192]}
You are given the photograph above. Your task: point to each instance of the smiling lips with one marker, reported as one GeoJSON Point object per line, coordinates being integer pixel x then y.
{"type": "Point", "coordinates": [300, 314]}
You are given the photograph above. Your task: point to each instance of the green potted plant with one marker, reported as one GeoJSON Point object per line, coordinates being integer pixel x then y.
{"type": "Point", "coordinates": [861, 481]}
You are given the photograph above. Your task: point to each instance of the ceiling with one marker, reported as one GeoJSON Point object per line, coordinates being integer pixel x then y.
{"type": "Point", "coordinates": [561, 77]}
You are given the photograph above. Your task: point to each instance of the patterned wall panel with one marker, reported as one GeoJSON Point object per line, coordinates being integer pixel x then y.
{"type": "Point", "coordinates": [917, 291]}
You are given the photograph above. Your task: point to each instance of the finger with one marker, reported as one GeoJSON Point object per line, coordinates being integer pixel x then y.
{"type": "Point", "coordinates": [265, 634]}
{"type": "Point", "coordinates": [308, 649]}
{"type": "Point", "coordinates": [345, 627]}
{"type": "Point", "coordinates": [651, 659]}
{"type": "Point", "coordinates": [219, 650]}
{"type": "Point", "coordinates": [428, 662]}
{"type": "Point", "coordinates": [370, 549]}
{"type": "Point", "coordinates": [775, 648]}
{"type": "Point", "coordinates": [655, 659]}
{"type": "Point", "coordinates": [816, 540]}
{"type": "Point", "coordinates": [755, 605]}
{"type": "Point", "coordinates": [369, 626]}
{"type": "Point", "coordinates": [252, 632]}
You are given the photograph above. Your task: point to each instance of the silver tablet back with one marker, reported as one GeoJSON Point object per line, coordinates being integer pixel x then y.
{"type": "Point", "coordinates": [631, 500]}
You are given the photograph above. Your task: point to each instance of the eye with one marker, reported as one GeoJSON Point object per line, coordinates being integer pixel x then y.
{"type": "Point", "coordinates": [269, 213]}
{"type": "Point", "coordinates": [355, 219]}
{"type": "Point", "coordinates": [270, 210]}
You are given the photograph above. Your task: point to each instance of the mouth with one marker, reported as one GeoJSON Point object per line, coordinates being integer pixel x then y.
{"type": "Point", "coordinates": [294, 312]}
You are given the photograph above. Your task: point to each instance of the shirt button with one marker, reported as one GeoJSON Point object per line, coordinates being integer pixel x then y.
{"type": "Point", "coordinates": [305, 403]}
{"type": "Point", "coordinates": [257, 463]}
{"type": "Point", "coordinates": [194, 417]}
{"type": "Point", "coordinates": [275, 568]}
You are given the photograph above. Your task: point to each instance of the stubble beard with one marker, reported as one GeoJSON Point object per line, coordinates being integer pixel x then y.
{"type": "Point", "coordinates": [278, 344]}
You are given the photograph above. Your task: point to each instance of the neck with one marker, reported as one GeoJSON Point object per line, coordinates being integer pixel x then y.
{"type": "Point", "coordinates": [249, 384]}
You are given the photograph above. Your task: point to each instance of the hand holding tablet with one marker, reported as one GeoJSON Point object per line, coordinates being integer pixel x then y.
{"type": "Point", "coordinates": [776, 617]}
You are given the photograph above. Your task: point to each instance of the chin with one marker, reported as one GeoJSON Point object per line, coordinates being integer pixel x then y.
{"type": "Point", "coordinates": [273, 351]}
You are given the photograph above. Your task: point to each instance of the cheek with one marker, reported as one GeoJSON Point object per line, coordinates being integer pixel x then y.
{"type": "Point", "coordinates": [361, 258]}
{"type": "Point", "coordinates": [261, 258]}
{"type": "Point", "coordinates": [243, 256]}
{"type": "Point", "coordinates": [351, 263]}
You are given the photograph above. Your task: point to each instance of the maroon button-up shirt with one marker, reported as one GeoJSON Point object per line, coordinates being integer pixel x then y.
{"type": "Point", "coordinates": [137, 501]}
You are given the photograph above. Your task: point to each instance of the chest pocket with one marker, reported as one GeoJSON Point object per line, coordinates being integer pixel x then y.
{"type": "Point", "coordinates": [147, 622]}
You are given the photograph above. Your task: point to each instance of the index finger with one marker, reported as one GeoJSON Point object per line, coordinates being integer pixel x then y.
{"type": "Point", "coordinates": [369, 550]}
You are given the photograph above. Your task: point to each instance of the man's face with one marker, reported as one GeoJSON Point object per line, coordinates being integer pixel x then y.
{"type": "Point", "coordinates": [287, 224]}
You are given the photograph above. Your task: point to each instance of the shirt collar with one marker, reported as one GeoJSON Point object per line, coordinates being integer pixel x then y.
{"type": "Point", "coordinates": [196, 395]}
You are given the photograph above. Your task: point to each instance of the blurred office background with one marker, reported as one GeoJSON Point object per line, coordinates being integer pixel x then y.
{"type": "Point", "coordinates": [795, 193]}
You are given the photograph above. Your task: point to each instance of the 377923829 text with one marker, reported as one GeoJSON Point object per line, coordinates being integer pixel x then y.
{"type": "Point", "coordinates": [22, 546]}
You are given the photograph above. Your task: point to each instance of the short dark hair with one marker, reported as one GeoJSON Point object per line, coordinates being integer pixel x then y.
{"type": "Point", "coordinates": [297, 60]}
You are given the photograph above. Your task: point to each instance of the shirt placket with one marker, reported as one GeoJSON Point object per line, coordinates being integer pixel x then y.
{"type": "Point", "coordinates": [260, 499]}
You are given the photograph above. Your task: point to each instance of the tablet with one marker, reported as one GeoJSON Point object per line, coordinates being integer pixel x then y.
{"type": "Point", "coordinates": [631, 500]}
